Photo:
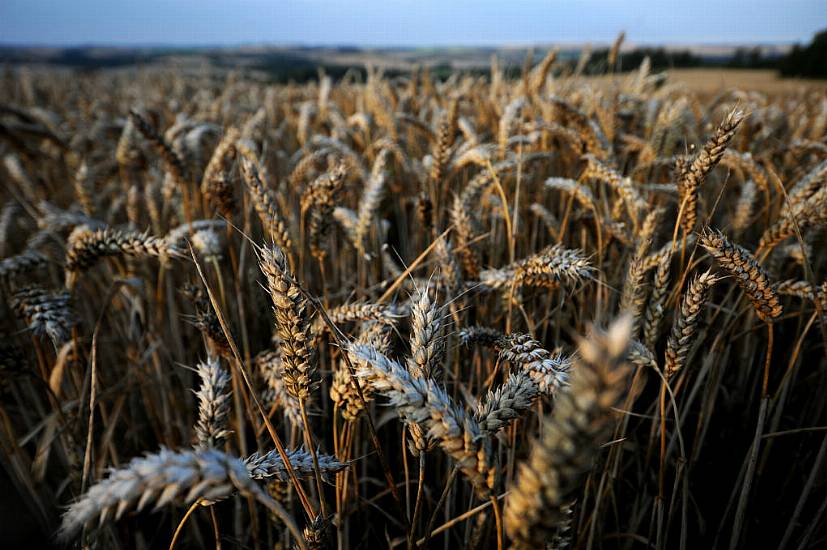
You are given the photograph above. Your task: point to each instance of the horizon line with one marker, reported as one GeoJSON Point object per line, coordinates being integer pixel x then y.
{"type": "Point", "coordinates": [628, 45]}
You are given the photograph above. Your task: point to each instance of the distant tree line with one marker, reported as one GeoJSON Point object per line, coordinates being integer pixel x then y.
{"type": "Point", "coordinates": [807, 61]}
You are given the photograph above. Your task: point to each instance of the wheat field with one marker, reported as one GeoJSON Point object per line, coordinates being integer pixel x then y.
{"type": "Point", "coordinates": [541, 312]}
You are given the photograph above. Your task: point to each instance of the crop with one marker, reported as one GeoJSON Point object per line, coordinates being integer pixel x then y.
{"type": "Point", "coordinates": [403, 312]}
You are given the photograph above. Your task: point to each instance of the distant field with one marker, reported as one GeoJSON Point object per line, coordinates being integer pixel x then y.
{"type": "Point", "coordinates": [714, 80]}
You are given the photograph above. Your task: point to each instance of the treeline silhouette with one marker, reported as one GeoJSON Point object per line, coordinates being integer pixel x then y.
{"type": "Point", "coordinates": [808, 61]}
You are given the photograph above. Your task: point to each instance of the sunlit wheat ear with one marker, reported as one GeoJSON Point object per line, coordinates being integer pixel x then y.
{"type": "Point", "coordinates": [581, 193]}
{"type": "Point", "coordinates": [291, 323]}
{"type": "Point", "coordinates": [633, 296]}
{"type": "Point", "coordinates": [648, 230]}
{"type": "Point", "coordinates": [427, 353]}
{"type": "Point", "coordinates": [804, 290]}
{"type": "Point", "coordinates": [370, 202]}
{"type": "Point", "coordinates": [427, 344]}
{"type": "Point", "coordinates": [552, 267]}
{"type": "Point", "coordinates": [45, 313]}
{"type": "Point", "coordinates": [343, 390]}
{"type": "Point", "coordinates": [808, 213]}
{"type": "Point", "coordinates": [269, 214]}
{"type": "Point", "coordinates": [314, 533]}
{"type": "Point", "coordinates": [160, 479]}
{"type": "Point", "coordinates": [450, 273]}
{"type": "Point", "coordinates": [318, 201]}
{"type": "Point", "coordinates": [686, 322]}
{"type": "Point", "coordinates": [540, 73]}
{"type": "Point", "coordinates": [808, 185]}
{"type": "Point", "coordinates": [306, 166]}
{"type": "Point", "coordinates": [86, 248]}
{"type": "Point", "coordinates": [422, 401]}
{"type": "Point", "coordinates": [511, 115]}
{"type": "Point", "coordinates": [464, 215]}
{"type": "Point", "coordinates": [208, 243]}
{"type": "Point", "coordinates": [81, 186]}
{"type": "Point", "coordinates": [589, 131]}
{"type": "Point", "coordinates": [601, 171]}
{"type": "Point", "coordinates": [172, 162]}
{"type": "Point", "coordinates": [748, 165]}
{"type": "Point", "coordinates": [657, 301]}
{"type": "Point", "coordinates": [213, 404]}
{"type": "Point", "coordinates": [507, 402]}
{"type": "Point", "coordinates": [744, 206]}
{"type": "Point", "coordinates": [271, 465]}
{"type": "Point", "coordinates": [748, 274]}
{"type": "Point", "coordinates": [549, 371]}
{"type": "Point", "coordinates": [216, 183]}
{"type": "Point", "coordinates": [695, 173]}
{"type": "Point", "coordinates": [445, 138]}
{"type": "Point", "coordinates": [639, 355]}
{"type": "Point", "coordinates": [355, 312]}
{"type": "Point", "coordinates": [552, 477]}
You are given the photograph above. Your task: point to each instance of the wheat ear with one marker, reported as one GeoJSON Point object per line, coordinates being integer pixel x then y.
{"type": "Point", "coordinates": [749, 275]}
{"type": "Point", "coordinates": [550, 480]}
{"type": "Point", "coordinates": [213, 404]}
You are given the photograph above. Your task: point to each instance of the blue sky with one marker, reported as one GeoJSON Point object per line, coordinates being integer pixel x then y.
{"type": "Point", "coordinates": [406, 22]}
